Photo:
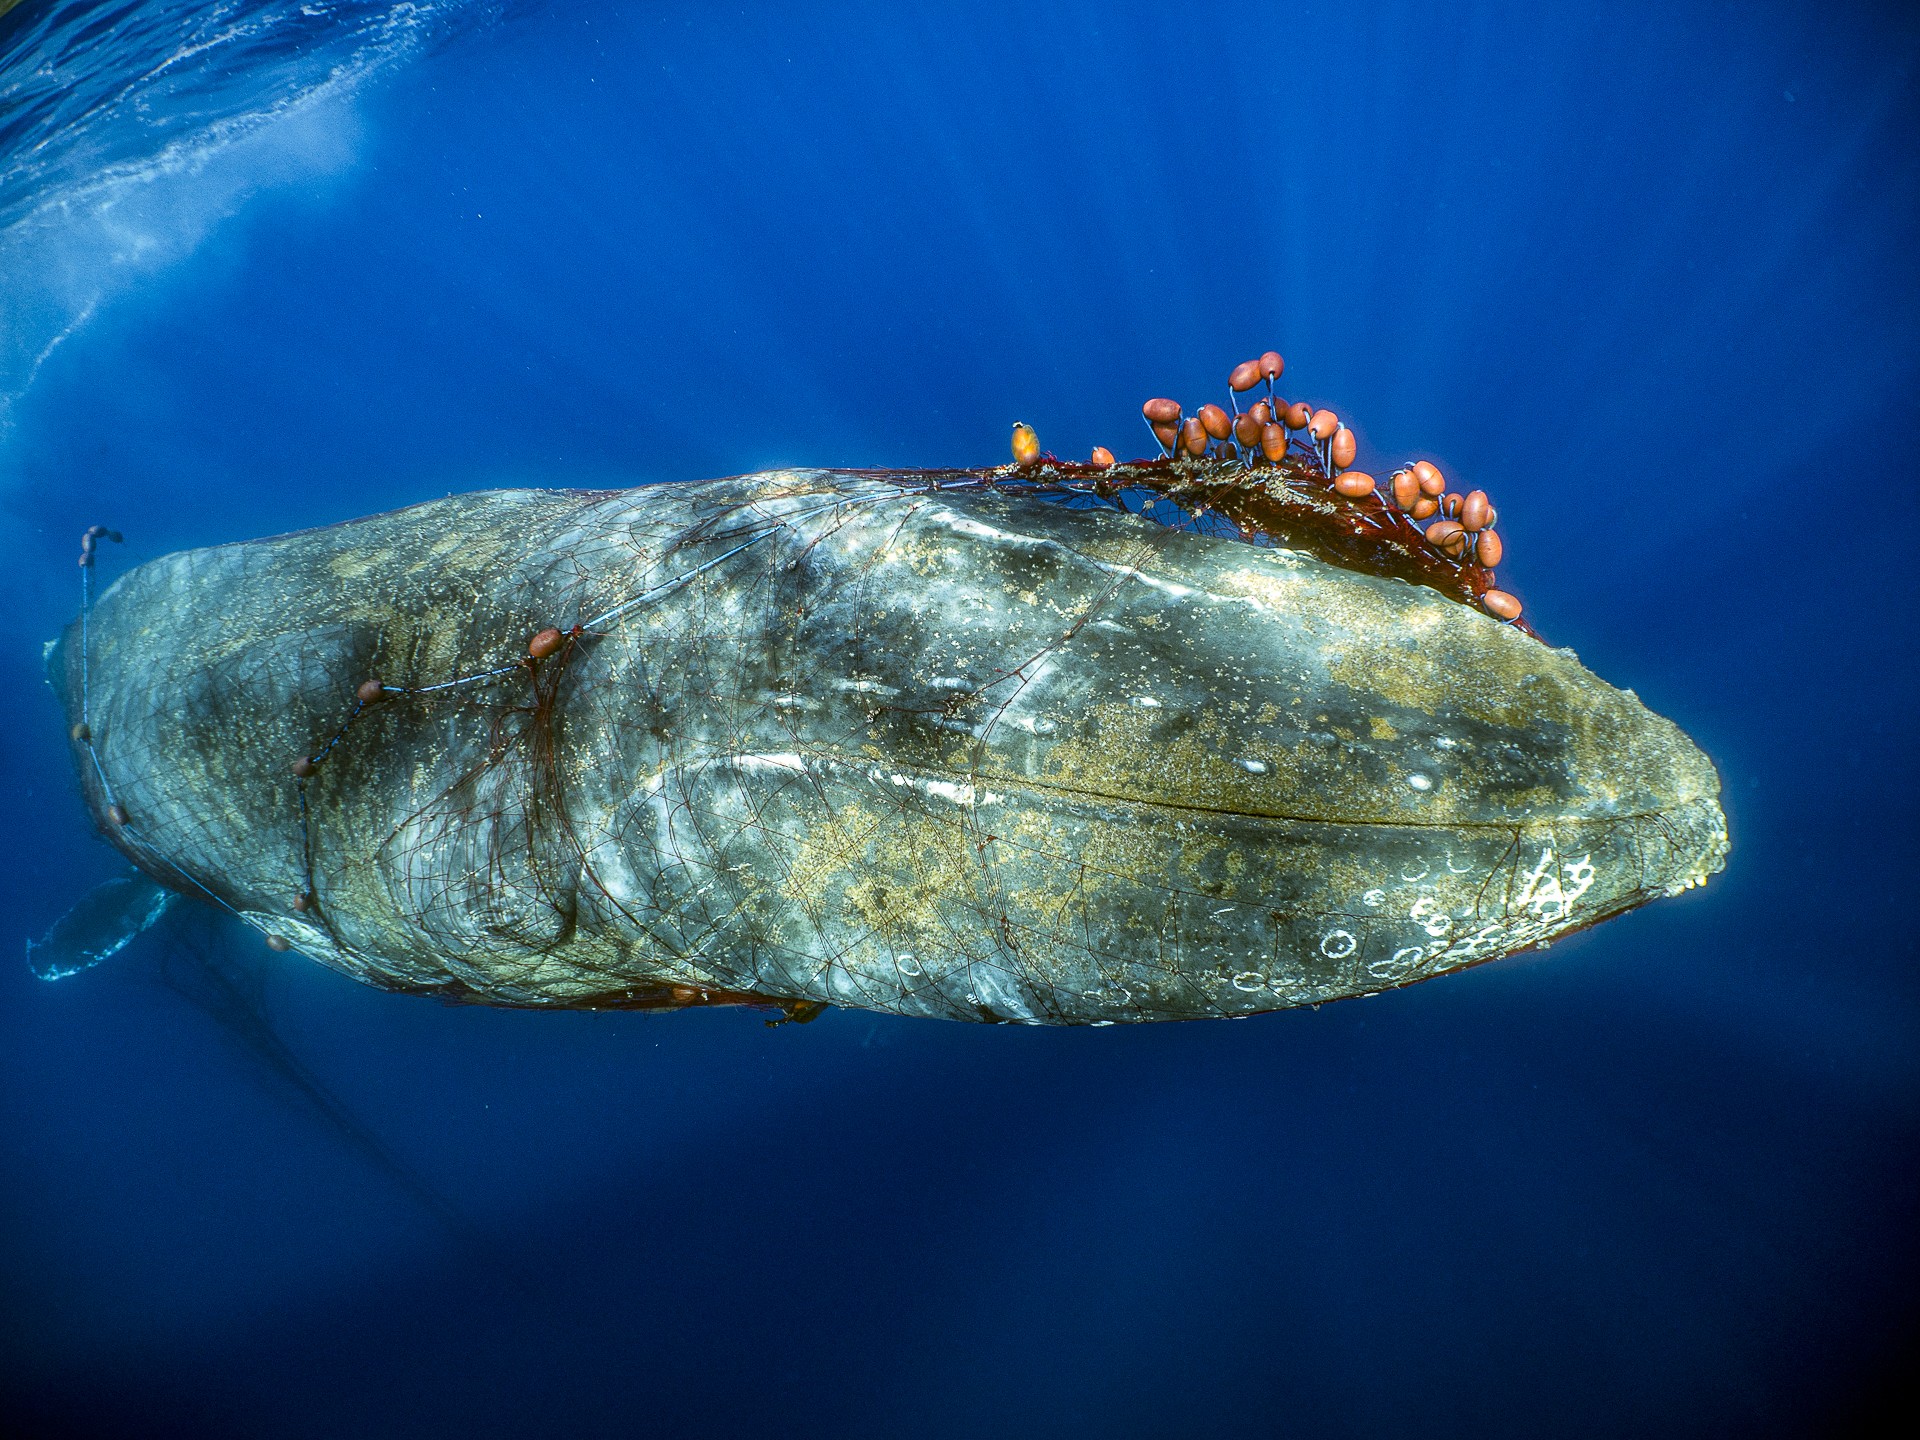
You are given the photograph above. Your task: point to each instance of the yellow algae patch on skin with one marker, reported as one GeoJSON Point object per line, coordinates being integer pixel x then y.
{"type": "Point", "coordinates": [358, 564]}
{"type": "Point", "coordinates": [1114, 855]}
{"type": "Point", "coordinates": [1279, 590]}
{"type": "Point", "coordinates": [894, 872]}
{"type": "Point", "coordinates": [1382, 729]}
{"type": "Point", "coordinates": [1420, 669]}
{"type": "Point", "coordinates": [925, 559]}
{"type": "Point", "coordinates": [1127, 553]}
{"type": "Point", "coordinates": [1422, 676]}
{"type": "Point", "coordinates": [1117, 755]}
{"type": "Point", "coordinates": [829, 849]}
{"type": "Point", "coordinates": [1201, 856]}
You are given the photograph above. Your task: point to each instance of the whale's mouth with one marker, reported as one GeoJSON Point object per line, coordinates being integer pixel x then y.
{"type": "Point", "coordinates": [1675, 847]}
{"type": "Point", "coordinates": [973, 790]}
{"type": "Point", "coordinates": [1083, 906]}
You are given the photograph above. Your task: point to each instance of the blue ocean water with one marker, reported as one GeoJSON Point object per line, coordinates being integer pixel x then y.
{"type": "Point", "coordinates": [1647, 272]}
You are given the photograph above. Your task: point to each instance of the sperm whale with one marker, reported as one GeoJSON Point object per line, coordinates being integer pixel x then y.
{"type": "Point", "coordinates": [815, 738]}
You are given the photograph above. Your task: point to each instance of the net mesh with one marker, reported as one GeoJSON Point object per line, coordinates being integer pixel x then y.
{"type": "Point", "coordinates": [742, 769]}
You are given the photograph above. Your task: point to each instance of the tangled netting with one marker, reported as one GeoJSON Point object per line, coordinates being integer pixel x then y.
{"type": "Point", "coordinates": [458, 798]}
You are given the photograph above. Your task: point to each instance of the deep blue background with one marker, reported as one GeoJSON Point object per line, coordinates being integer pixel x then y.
{"type": "Point", "coordinates": [1646, 272]}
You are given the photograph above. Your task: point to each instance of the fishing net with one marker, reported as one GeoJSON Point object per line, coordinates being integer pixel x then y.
{"type": "Point", "coordinates": [930, 742]}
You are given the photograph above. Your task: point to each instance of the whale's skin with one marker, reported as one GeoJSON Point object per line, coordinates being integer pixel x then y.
{"type": "Point", "coordinates": [951, 752]}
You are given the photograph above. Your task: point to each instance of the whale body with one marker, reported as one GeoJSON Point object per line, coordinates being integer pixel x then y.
{"type": "Point", "coordinates": [812, 737]}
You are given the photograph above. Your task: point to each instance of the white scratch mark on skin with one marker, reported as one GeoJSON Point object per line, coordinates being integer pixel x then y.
{"type": "Point", "coordinates": [957, 794]}
{"type": "Point", "coordinates": [780, 760]}
{"type": "Point", "coordinates": [1167, 587]}
{"type": "Point", "coordinates": [964, 525]}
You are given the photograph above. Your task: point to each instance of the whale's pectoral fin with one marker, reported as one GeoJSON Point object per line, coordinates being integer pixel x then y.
{"type": "Point", "coordinates": [99, 926]}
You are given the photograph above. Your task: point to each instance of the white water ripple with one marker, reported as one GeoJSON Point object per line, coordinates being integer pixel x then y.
{"type": "Point", "coordinates": [128, 132]}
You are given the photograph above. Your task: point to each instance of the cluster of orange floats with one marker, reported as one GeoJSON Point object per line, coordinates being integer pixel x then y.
{"type": "Point", "coordinates": [1461, 527]}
